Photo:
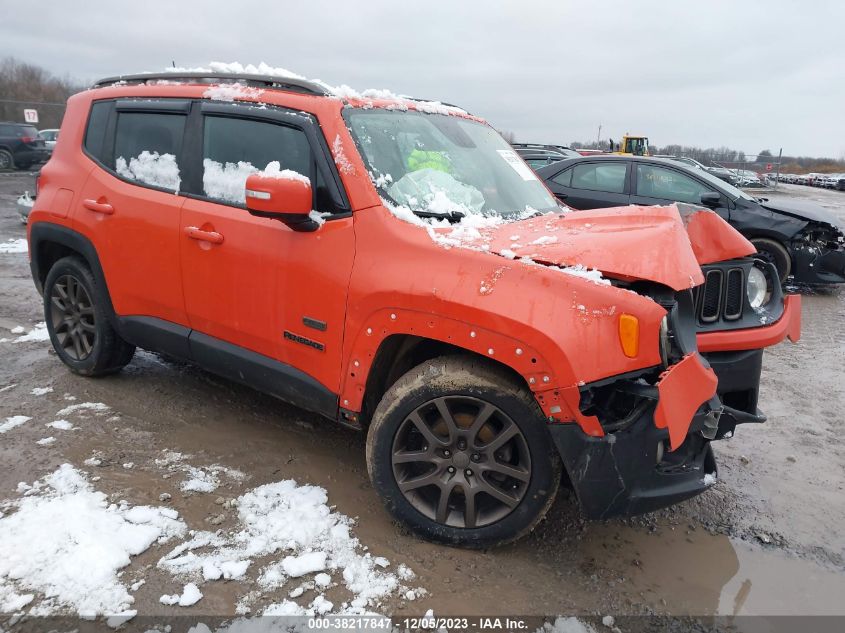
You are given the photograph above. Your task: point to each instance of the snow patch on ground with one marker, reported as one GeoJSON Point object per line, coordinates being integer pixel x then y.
{"type": "Point", "coordinates": [294, 521]}
{"type": "Point", "coordinates": [152, 168]}
{"type": "Point", "coordinates": [205, 479]}
{"type": "Point", "coordinates": [13, 422]}
{"type": "Point", "coordinates": [46, 441]}
{"type": "Point", "coordinates": [96, 407]}
{"type": "Point", "coordinates": [38, 333]}
{"type": "Point", "coordinates": [566, 625]}
{"type": "Point", "coordinates": [61, 425]}
{"type": "Point", "coordinates": [189, 597]}
{"type": "Point", "coordinates": [14, 246]}
{"type": "Point", "coordinates": [65, 541]}
{"type": "Point", "coordinates": [40, 391]}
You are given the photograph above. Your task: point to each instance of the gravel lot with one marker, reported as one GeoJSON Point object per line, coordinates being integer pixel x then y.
{"type": "Point", "coordinates": [767, 539]}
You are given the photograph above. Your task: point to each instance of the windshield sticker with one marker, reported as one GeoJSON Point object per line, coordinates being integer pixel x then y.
{"type": "Point", "coordinates": [518, 165]}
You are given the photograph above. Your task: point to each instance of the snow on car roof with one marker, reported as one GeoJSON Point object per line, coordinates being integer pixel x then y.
{"type": "Point", "coordinates": [281, 78]}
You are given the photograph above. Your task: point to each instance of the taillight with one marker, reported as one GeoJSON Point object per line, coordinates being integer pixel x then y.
{"type": "Point", "coordinates": [37, 182]}
{"type": "Point", "coordinates": [27, 139]}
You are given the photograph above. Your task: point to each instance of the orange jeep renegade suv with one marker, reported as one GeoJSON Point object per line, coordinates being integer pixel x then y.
{"type": "Point", "coordinates": [393, 265]}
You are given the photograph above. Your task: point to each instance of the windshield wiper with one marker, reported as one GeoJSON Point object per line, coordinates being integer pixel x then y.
{"type": "Point", "coordinates": [451, 216]}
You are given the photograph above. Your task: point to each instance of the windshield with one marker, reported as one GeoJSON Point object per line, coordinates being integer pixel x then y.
{"type": "Point", "coordinates": [445, 166]}
{"type": "Point", "coordinates": [723, 185]}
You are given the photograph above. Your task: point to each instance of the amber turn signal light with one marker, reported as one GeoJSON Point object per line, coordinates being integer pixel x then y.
{"type": "Point", "coordinates": [629, 334]}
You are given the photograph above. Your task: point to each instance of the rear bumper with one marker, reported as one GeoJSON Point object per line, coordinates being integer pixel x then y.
{"type": "Point", "coordinates": [31, 155]}
{"type": "Point", "coordinates": [632, 471]}
{"type": "Point", "coordinates": [788, 326]}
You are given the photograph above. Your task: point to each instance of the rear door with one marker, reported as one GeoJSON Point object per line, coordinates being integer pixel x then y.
{"type": "Point", "coordinates": [592, 185]}
{"type": "Point", "coordinates": [129, 206]}
{"type": "Point", "coordinates": [659, 184]}
{"type": "Point", "coordinates": [258, 286]}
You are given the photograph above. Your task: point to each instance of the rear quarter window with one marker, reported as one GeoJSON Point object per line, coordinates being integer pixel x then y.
{"type": "Point", "coordinates": [95, 133]}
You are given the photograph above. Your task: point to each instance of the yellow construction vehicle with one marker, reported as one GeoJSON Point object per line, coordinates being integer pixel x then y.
{"type": "Point", "coordinates": [632, 145]}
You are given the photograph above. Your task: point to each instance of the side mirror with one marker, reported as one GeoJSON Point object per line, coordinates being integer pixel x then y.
{"type": "Point", "coordinates": [711, 199]}
{"type": "Point", "coordinates": [283, 196]}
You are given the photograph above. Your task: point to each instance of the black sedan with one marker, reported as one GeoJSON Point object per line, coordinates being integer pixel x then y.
{"type": "Point", "coordinates": [802, 240]}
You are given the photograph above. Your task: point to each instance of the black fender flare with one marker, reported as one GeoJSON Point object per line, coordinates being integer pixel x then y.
{"type": "Point", "coordinates": [41, 234]}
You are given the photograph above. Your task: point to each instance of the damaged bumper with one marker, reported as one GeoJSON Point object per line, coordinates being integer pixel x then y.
{"type": "Point", "coordinates": [816, 264]}
{"type": "Point", "coordinates": [633, 471]}
{"type": "Point", "coordinates": [660, 455]}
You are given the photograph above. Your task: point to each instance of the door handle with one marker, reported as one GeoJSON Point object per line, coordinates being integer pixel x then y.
{"type": "Point", "coordinates": [204, 236]}
{"type": "Point", "coordinates": [98, 207]}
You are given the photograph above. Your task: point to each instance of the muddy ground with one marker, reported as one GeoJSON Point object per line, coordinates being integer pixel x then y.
{"type": "Point", "coordinates": [767, 539]}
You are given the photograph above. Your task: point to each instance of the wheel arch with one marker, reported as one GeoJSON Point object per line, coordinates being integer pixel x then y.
{"type": "Point", "coordinates": [48, 243]}
{"type": "Point", "coordinates": [395, 341]}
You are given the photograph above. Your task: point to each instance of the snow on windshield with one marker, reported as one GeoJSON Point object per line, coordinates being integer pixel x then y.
{"type": "Point", "coordinates": [152, 168]}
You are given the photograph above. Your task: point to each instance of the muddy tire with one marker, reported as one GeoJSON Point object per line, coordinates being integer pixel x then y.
{"type": "Point", "coordinates": [76, 313]}
{"type": "Point", "coordinates": [460, 454]}
{"type": "Point", "coordinates": [774, 252]}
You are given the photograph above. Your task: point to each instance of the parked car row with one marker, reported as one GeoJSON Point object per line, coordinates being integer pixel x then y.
{"type": "Point", "coordinates": [828, 181]}
{"type": "Point", "coordinates": [804, 241]}
{"type": "Point", "coordinates": [22, 146]}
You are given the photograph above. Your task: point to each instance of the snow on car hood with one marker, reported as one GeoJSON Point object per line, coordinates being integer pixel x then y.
{"type": "Point", "coordinates": [801, 210]}
{"type": "Point", "coordinates": [661, 244]}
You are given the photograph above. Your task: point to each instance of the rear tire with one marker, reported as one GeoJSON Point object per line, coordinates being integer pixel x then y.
{"type": "Point", "coordinates": [774, 252]}
{"type": "Point", "coordinates": [78, 320]}
{"type": "Point", "coordinates": [6, 160]}
{"type": "Point", "coordinates": [480, 471]}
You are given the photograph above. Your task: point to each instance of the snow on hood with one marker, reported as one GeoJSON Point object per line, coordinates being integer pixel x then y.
{"type": "Point", "coordinates": [657, 243]}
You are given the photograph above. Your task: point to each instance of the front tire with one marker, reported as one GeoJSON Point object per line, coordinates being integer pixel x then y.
{"type": "Point", "coordinates": [775, 253]}
{"type": "Point", "coordinates": [460, 454]}
{"type": "Point", "coordinates": [78, 321]}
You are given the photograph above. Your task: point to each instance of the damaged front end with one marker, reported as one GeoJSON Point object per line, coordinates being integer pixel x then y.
{"type": "Point", "coordinates": [818, 254]}
{"type": "Point", "coordinates": [657, 423]}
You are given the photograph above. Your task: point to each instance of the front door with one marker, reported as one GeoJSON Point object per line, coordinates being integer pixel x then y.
{"type": "Point", "coordinates": [655, 184]}
{"type": "Point", "coordinates": [265, 291]}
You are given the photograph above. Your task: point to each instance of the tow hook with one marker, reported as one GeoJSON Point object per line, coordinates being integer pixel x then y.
{"type": "Point", "coordinates": [710, 425]}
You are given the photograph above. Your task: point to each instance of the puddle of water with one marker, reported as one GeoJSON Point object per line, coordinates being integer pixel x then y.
{"type": "Point", "coordinates": [702, 574]}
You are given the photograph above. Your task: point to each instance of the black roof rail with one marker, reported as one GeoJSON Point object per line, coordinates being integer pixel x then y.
{"type": "Point", "coordinates": [257, 81]}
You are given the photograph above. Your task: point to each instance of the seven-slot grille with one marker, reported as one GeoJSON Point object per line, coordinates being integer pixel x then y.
{"type": "Point", "coordinates": [721, 296]}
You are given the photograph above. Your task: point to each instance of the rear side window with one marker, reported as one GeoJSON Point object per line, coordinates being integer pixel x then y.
{"type": "Point", "coordinates": [564, 178]}
{"type": "Point", "coordinates": [235, 148]}
{"type": "Point", "coordinates": [147, 146]}
{"type": "Point", "coordinates": [659, 182]}
{"type": "Point", "coordinates": [609, 177]}
{"type": "Point", "coordinates": [95, 134]}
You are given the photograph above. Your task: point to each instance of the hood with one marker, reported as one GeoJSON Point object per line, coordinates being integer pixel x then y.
{"type": "Point", "coordinates": [801, 210]}
{"type": "Point", "coordinates": [661, 244]}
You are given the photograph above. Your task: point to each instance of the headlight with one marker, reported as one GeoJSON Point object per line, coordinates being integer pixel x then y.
{"type": "Point", "coordinates": [756, 287]}
{"type": "Point", "coordinates": [664, 341]}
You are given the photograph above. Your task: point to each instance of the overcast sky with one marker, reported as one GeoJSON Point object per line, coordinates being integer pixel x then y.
{"type": "Point", "coordinates": [746, 74]}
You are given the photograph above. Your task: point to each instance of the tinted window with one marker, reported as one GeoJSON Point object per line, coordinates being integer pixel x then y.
{"type": "Point", "coordinates": [564, 178]}
{"type": "Point", "coordinates": [96, 132]}
{"type": "Point", "coordinates": [659, 182]}
{"type": "Point", "coordinates": [609, 177]}
{"type": "Point", "coordinates": [235, 148]}
{"type": "Point", "coordinates": [146, 147]}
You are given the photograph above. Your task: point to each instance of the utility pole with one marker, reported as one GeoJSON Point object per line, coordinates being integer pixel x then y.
{"type": "Point", "coordinates": [598, 136]}
{"type": "Point", "coordinates": [777, 173]}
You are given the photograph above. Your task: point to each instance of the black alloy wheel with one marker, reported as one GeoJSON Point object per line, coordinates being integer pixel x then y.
{"type": "Point", "coordinates": [461, 461]}
{"type": "Point", "coordinates": [72, 316]}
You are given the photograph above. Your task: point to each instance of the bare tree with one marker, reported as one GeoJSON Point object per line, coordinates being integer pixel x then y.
{"type": "Point", "coordinates": [25, 85]}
